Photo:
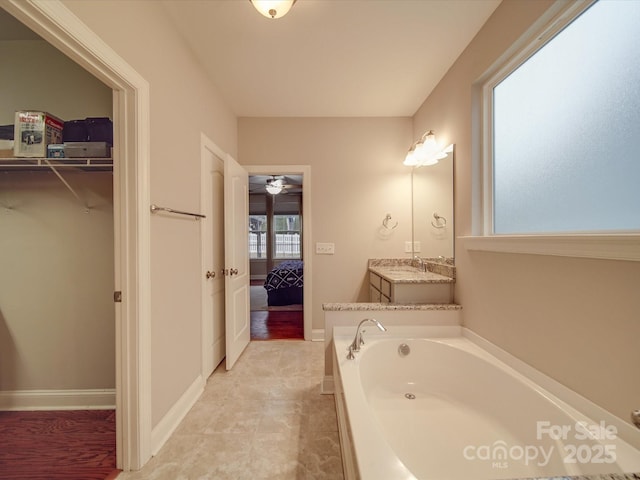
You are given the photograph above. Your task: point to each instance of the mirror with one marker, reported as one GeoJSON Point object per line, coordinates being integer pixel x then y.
{"type": "Point", "coordinates": [432, 209]}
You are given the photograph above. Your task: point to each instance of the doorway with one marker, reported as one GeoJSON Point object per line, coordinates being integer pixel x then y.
{"type": "Point", "coordinates": [53, 22]}
{"type": "Point", "coordinates": [279, 251]}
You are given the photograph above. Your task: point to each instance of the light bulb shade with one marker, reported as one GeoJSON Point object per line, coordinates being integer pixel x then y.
{"type": "Point", "coordinates": [411, 160]}
{"type": "Point", "coordinates": [273, 8]}
{"type": "Point", "coordinates": [426, 151]}
{"type": "Point", "coordinates": [274, 187]}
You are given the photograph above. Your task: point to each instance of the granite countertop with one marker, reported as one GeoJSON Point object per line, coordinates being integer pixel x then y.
{"type": "Point", "coordinates": [344, 307]}
{"type": "Point", "coordinates": [408, 274]}
{"type": "Point", "coordinates": [605, 476]}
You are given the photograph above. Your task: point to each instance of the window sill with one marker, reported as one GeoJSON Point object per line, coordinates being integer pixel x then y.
{"type": "Point", "coordinates": [610, 247]}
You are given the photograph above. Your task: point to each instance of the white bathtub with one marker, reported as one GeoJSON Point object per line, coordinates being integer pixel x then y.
{"type": "Point", "coordinates": [469, 415]}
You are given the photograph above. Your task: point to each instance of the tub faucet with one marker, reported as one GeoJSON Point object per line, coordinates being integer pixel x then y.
{"type": "Point", "coordinates": [358, 340]}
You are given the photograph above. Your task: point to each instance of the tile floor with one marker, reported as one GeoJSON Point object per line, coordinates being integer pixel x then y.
{"type": "Point", "coordinates": [265, 419]}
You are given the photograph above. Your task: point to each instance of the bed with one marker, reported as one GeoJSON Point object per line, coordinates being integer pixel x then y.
{"type": "Point", "coordinates": [284, 284]}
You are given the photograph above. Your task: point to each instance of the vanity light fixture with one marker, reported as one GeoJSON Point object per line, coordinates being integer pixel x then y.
{"type": "Point", "coordinates": [273, 8]}
{"type": "Point", "coordinates": [426, 151]}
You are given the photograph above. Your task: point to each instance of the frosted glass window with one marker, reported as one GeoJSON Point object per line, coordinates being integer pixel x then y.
{"type": "Point", "coordinates": [566, 130]}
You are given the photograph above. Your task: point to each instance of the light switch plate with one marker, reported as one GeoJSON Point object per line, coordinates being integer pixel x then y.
{"type": "Point", "coordinates": [325, 248]}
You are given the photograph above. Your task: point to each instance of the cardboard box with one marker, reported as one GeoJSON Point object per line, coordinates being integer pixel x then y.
{"type": "Point", "coordinates": [33, 131]}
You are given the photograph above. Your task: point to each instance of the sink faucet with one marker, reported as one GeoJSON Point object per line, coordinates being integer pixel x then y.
{"type": "Point", "coordinates": [421, 263]}
{"type": "Point", "coordinates": [358, 341]}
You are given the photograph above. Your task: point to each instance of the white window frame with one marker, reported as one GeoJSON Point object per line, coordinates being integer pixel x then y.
{"type": "Point", "coordinates": [617, 246]}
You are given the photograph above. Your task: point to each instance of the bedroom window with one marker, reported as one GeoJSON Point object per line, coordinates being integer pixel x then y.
{"type": "Point", "coordinates": [287, 236]}
{"type": "Point", "coordinates": [257, 236]}
{"type": "Point", "coordinates": [562, 131]}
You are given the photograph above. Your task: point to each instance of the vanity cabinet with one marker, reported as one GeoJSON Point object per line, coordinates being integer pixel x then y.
{"type": "Point", "coordinates": [379, 289]}
{"type": "Point", "coordinates": [409, 286]}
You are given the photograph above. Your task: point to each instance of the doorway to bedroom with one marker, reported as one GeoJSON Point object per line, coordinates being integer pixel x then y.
{"type": "Point", "coordinates": [276, 256]}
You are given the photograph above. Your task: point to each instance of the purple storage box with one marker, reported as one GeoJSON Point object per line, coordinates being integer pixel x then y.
{"type": "Point", "coordinates": [100, 129]}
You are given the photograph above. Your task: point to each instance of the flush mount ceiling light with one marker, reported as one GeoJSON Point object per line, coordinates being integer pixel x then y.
{"type": "Point", "coordinates": [273, 8]}
{"type": "Point", "coordinates": [426, 151]}
{"type": "Point", "coordinates": [274, 186]}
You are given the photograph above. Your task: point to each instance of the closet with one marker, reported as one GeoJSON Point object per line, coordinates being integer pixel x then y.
{"type": "Point", "coordinates": [57, 314]}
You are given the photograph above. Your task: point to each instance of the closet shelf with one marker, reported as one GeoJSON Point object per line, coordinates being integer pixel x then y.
{"type": "Point", "coordinates": [31, 164]}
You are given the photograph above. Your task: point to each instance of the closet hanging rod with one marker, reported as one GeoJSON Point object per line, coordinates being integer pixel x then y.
{"type": "Point", "coordinates": [155, 209]}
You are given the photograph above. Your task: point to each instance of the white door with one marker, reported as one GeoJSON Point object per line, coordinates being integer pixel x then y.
{"type": "Point", "coordinates": [236, 254]}
{"type": "Point", "coordinates": [213, 322]}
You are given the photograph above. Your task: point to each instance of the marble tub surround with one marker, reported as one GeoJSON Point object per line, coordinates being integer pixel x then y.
{"type": "Point", "coordinates": [390, 307]}
{"type": "Point", "coordinates": [264, 419]}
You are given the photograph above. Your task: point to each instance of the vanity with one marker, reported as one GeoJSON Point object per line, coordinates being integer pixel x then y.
{"type": "Point", "coordinates": [409, 281]}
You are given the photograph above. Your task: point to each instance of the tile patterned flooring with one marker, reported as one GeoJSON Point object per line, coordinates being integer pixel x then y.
{"type": "Point", "coordinates": [264, 419]}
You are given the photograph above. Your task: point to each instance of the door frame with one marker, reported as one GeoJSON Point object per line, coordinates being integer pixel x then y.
{"type": "Point", "coordinates": [55, 23]}
{"type": "Point", "coordinates": [205, 238]}
{"type": "Point", "coordinates": [305, 171]}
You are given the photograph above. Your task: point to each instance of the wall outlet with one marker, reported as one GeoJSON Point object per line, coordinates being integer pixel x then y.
{"type": "Point", "coordinates": [415, 249]}
{"type": "Point", "coordinates": [325, 248]}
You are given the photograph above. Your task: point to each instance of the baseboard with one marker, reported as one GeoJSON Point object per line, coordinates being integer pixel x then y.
{"type": "Point", "coordinates": [165, 427]}
{"type": "Point", "coordinates": [317, 335]}
{"type": "Point", "coordinates": [89, 399]}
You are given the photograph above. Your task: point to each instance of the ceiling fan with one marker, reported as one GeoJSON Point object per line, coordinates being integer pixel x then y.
{"type": "Point", "coordinates": [273, 184]}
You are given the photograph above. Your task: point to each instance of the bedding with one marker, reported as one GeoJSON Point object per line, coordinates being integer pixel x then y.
{"type": "Point", "coordinates": [284, 284]}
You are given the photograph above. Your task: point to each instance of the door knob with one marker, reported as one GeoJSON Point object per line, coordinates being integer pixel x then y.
{"type": "Point", "coordinates": [210, 274]}
{"type": "Point", "coordinates": [233, 271]}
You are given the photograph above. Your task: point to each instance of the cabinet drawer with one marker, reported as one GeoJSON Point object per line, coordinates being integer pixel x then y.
{"type": "Point", "coordinates": [385, 287]}
{"type": "Point", "coordinates": [374, 280]}
{"type": "Point", "coordinates": [374, 295]}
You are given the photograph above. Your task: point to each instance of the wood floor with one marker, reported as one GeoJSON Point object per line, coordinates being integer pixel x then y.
{"type": "Point", "coordinates": [277, 323]}
{"type": "Point", "coordinates": [51, 445]}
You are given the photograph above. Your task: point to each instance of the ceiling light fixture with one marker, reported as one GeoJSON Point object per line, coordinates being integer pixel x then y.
{"type": "Point", "coordinates": [426, 151]}
{"type": "Point", "coordinates": [273, 8]}
{"type": "Point", "coordinates": [274, 186]}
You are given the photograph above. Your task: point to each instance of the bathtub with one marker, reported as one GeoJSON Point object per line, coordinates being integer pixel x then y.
{"type": "Point", "coordinates": [457, 407]}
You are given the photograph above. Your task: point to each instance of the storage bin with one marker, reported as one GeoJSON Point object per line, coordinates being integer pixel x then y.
{"type": "Point", "coordinates": [86, 150]}
{"type": "Point", "coordinates": [100, 129]}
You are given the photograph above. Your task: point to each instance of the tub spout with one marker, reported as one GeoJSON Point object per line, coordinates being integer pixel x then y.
{"type": "Point", "coordinates": [358, 340]}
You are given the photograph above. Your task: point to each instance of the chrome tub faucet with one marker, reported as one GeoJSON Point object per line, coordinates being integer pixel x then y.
{"type": "Point", "coordinates": [358, 340]}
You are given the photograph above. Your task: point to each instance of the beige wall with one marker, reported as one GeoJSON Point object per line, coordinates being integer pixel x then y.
{"type": "Point", "coordinates": [183, 104]}
{"type": "Point", "coordinates": [56, 282]}
{"type": "Point", "coordinates": [357, 177]}
{"type": "Point", "coordinates": [577, 320]}
{"type": "Point", "coordinates": [36, 76]}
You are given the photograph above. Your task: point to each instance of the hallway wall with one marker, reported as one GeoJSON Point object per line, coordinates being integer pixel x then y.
{"type": "Point", "coordinates": [357, 177]}
{"type": "Point", "coordinates": [184, 103]}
